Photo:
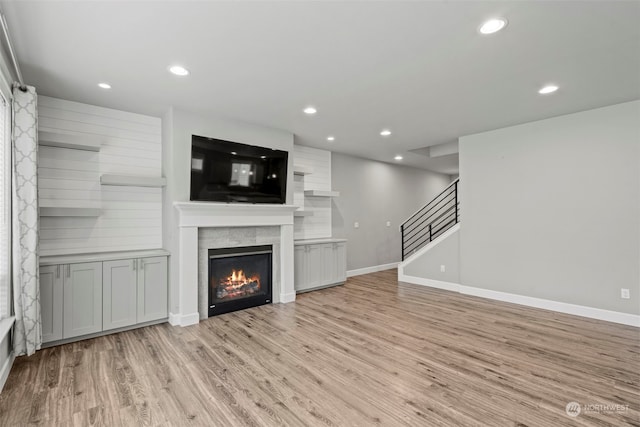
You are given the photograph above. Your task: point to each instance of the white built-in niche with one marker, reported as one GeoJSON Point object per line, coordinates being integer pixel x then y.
{"type": "Point", "coordinates": [99, 179]}
{"type": "Point", "coordinates": [312, 192]}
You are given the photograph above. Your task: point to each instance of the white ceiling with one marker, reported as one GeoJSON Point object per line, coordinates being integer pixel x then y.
{"type": "Point", "coordinates": [418, 68]}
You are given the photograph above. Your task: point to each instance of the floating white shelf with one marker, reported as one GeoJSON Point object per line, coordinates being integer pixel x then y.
{"type": "Point", "coordinates": [301, 170]}
{"type": "Point", "coordinates": [321, 193]}
{"type": "Point", "coordinates": [76, 142]}
{"type": "Point", "coordinates": [301, 213]}
{"type": "Point", "coordinates": [133, 181]}
{"type": "Point", "coordinates": [62, 211]}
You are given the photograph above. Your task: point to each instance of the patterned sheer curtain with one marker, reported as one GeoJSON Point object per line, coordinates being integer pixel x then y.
{"type": "Point", "coordinates": [26, 287]}
{"type": "Point", "coordinates": [5, 211]}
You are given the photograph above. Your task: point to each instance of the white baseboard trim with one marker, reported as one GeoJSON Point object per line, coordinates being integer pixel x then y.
{"type": "Point", "coordinates": [561, 307]}
{"type": "Point", "coordinates": [438, 284]}
{"type": "Point", "coordinates": [288, 297]}
{"type": "Point", "coordinates": [184, 319]}
{"type": "Point", "coordinates": [373, 269]}
{"type": "Point", "coordinates": [6, 368]}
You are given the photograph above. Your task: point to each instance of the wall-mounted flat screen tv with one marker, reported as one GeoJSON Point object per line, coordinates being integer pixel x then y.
{"type": "Point", "coordinates": [225, 171]}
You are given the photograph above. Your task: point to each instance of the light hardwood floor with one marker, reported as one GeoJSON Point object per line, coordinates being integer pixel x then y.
{"type": "Point", "coordinates": [372, 352]}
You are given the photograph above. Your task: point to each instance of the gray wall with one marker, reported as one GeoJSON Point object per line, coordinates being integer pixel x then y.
{"type": "Point", "coordinates": [373, 193]}
{"type": "Point", "coordinates": [445, 252]}
{"type": "Point", "coordinates": [551, 209]}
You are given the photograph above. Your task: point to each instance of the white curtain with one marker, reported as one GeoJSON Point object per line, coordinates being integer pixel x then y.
{"type": "Point", "coordinates": [26, 286]}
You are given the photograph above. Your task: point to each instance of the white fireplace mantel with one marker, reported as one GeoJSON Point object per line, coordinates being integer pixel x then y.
{"type": "Point", "coordinates": [194, 215]}
{"type": "Point", "coordinates": [206, 214]}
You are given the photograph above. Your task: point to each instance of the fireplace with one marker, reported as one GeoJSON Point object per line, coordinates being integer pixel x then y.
{"type": "Point", "coordinates": [239, 278]}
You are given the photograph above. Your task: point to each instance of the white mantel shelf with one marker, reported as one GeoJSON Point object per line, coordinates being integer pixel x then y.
{"type": "Point", "coordinates": [208, 214]}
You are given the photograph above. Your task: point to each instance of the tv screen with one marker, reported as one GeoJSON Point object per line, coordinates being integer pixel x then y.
{"type": "Point", "coordinates": [225, 171]}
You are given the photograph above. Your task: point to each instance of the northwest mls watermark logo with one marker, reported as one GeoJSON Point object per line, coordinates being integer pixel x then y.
{"type": "Point", "coordinates": [573, 409]}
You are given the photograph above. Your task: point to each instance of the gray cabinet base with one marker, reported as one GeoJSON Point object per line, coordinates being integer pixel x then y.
{"type": "Point", "coordinates": [103, 333]}
{"type": "Point", "coordinates": [331, 285]}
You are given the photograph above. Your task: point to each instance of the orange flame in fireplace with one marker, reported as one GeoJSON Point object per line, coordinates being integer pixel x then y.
{"type": "Point", "coordinates": [237, 285]}
{"type": "Point", "coordinates": [238, 278]}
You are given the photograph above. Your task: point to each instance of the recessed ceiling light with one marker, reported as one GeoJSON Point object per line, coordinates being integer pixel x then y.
{"type": "Point", "coordinates": [263, 157]}
{"type": "Point", "coordinates": [398, 157]}
{"type": "Point", "coordinates": [234, 153]}
{"type": "Point", "coordinates": [310, 110]}
{"type": "Point", "coordinates": [331, 138]}
{"type": "Point", "coordinates": [385, 132]}
{"type": "Point", "coordinates": [548, 89]}
{"type": "Point", "coordinates": [493, 26]}
{"type": "Point", "coordinates": [179, 70]}
{"type": "Point", "coordinates": [104, 85]}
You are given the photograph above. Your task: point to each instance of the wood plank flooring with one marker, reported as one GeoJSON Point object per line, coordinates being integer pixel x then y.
{"type": "Point", "coordinates": [372, 352]}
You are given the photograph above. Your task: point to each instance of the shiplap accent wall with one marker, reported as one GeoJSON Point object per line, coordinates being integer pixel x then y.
{"type": "Point", "coordinates": [318, 225]}
{"type": "Point", "coordinates": [131, 217]}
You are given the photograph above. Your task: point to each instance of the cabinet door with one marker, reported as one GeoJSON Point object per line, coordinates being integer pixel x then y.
{"type": "Point", "coordinates": [315, 266]}
{"type": "Point", "coordinates": [328, 275]}
{"type": "Point", "coordinates": [51, 302]}
{"type": "Point", "coordinates": [119, 291]}
{"type": "Point", "coordinates": [152, 289]}
{"type": "Point", "coordinates": [82, 299]}
{"type": "Point", "coordinates": [340, 256]}
{"type": "Point", "coordinates": [299, 268]}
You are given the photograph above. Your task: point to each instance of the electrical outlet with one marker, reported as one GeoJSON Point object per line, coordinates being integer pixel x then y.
{"type": "Point", "coordinates": [624, 293]}
{"type": "Point", "coordinates": [356, 225]}
{"type": "Point", "coordinates": [388, 223]}
{"type": "Point", "coordinates": [442, 268]}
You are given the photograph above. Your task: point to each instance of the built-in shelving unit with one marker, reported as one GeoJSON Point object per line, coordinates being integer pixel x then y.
{"type": "Point", "coordinates": [78, 145]}
{"type": "Point", "coordinates": [321, 193]}
{"type": "Point", "coordinates": [133, 181]}
{"type": "Point", "coordinates": [76, 142]}
{"type": "Point", "coordinates": [69, 211]}
{"type": "Point", "coordinates": [301, 170]}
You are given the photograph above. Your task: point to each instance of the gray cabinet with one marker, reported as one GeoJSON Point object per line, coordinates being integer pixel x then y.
{"type": "Point", "coordinates": [315, 266]}
{"type": "Point", "coordinates": [134, 291]}
{"type": "Point", "coordinates": [340, 265]}
{"type": "Point", "coordinates": [51, 302]}
{"type": "Point", "coordinates": [152, 288]}
{"type": "Point", "coordinates": [88, 297]}
{"type": "Point", "coordinates": [319, 264]}
{"type": "Point", "coordinates": [119, 290]}
{"type": "Point", "coordinates": [77, 287]}
{"type": "Point", "coordinates": [82, 300]}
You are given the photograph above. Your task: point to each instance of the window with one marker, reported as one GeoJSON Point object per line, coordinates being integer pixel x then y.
{"type": "Point", "coordinates": [5, 210]}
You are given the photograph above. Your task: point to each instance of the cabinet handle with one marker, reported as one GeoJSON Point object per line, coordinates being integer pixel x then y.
{"type": "Point", "coordinates": [58, 271]}
{"type": "Point", "coordinates": [135, 264]}
{"type": "Point", "coordinates": [68, 270]}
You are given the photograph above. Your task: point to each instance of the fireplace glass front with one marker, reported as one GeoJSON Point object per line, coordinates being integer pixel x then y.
{"type": "Point", "coordinates": [239, 278]}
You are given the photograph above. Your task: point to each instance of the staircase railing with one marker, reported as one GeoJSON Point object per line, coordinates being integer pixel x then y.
{"type": "Point", "coordinates": [431, 220]}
